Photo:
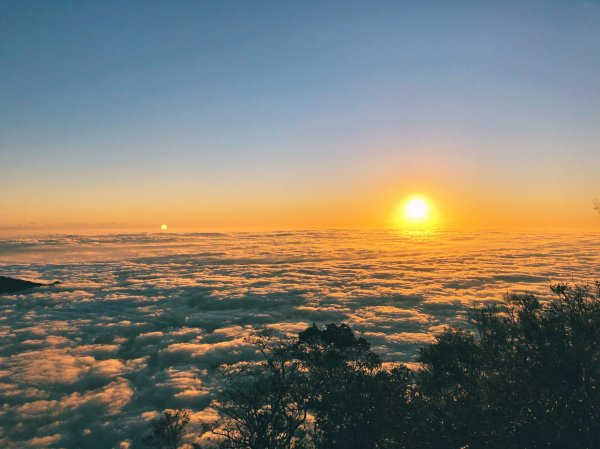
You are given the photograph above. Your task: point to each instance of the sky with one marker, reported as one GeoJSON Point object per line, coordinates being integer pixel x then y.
{"type": "Point", "coordinates": [298, 114]}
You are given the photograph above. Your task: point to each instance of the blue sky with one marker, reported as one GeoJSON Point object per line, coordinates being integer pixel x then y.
{"type": "Point", "coordinates": [297, 113]}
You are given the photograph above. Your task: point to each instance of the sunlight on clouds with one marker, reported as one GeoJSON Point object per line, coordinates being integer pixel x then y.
{"type": "Point", "coordinates": [141, 322]}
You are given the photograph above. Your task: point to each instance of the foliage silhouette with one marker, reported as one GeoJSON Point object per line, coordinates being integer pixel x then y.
{"type": "Point", "coordinates": [167, 430]}
{"type": "Point", "coordinates": [528, 376]}
{"type": "Point", "coordinates": [346, 387]}
{"type": "Point", "coordinates": [262, 405]}
{"type": "Point", "coordinates": [524, 374]}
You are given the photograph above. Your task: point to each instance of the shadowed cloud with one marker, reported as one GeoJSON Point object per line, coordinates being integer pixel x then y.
{"type": "Point", "coordinates": [142, 322]}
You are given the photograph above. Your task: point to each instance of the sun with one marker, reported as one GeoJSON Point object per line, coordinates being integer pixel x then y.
{"type": "Point", "coordinates": [163, 227]}
{"type": "Point", "coordinates": [415, 210]}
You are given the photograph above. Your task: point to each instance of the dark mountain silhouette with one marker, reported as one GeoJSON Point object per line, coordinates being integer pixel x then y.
{"type": "Point", "coordinates": [11, 285]}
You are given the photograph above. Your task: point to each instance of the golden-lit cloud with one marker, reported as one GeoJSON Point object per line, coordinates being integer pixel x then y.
{"type": "Point", "coordinates": [141, 321]}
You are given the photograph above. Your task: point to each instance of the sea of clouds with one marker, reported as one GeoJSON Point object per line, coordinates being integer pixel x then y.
{"type": "Point", "coordinates": [141, 321]}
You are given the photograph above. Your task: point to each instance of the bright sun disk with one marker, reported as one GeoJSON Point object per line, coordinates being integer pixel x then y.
{"type": "Point", "coordinates": [416, 210]}
{"type": "Point", "coordinates": [163, 227]}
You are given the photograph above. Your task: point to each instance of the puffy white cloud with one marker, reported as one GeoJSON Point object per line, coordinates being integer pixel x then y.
{"type": "Point", "coordinates": [183, 386]}
{"type": "Point", "coordinates": [64, 366]}
{"type": "Point", "coordinates": [111, 399]}
{"type": "Point", "coordinates": [141, 321]}
{"type": "Point", "coordinates": [47, 441]}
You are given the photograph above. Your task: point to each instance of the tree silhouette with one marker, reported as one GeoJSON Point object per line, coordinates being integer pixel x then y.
{"type": "Point", "coordinates": [346, 381]}
{"type": "Point", "coordinates": [524, 374]}
{"type": "Point", "coordinates": [166, 432]}
{"type": "Point", "coordinates": [262, 405]}
{"type": "Point", "coordinates": [527, 376]}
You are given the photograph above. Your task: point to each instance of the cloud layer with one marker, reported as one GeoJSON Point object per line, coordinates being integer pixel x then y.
{"type": "Point", "coordinates": [142, 321]}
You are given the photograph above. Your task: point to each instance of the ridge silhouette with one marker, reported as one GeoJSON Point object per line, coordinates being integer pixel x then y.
{"type": "Point", "coordinates": [12, 285]}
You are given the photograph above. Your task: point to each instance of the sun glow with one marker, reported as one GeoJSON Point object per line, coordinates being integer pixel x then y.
{"type": "Point", "coordinates": [163, 227]}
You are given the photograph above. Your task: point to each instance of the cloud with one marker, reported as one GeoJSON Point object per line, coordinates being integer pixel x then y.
{"type": "Point", "coordinates": [110, 398]}
{"type": "Point", "coordinates": [65, 366]}
{"type": "Point", "coordinates": [142, 321]}
{"type": "Point", "coordinates": [46, 441]}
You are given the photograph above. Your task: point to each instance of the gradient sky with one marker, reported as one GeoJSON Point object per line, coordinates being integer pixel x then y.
{"type": "Point", "coordinates": [220, 114]}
